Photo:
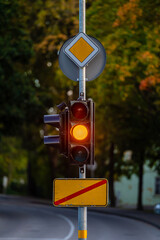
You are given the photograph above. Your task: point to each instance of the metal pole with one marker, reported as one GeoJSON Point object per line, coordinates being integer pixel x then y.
{"type": "Point", "coordinates": [82, 16]}
{"type": "Point", "coordinates": [82, 211]}
{"type": "Point", "coordinates": [82, 28]}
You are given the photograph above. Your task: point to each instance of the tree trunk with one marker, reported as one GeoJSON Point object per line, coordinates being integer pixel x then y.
{"type": "Point", "coordinates": [53, 161]}
{"type": "Point", "coordinates": [140, 183]}
{"type": "Point", "coordinates": [111, 175]}
{"type": "Point", "coordinates": [52, 153]}
{"type": "Point", "coordinates": [31, 181]}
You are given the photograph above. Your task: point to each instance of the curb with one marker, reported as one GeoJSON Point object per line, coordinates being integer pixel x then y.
{"type": "Point", "coordinates": [127, 216]}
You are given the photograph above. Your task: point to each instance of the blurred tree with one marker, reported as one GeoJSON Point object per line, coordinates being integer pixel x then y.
{"type": "Point", "coordinates": [16, 89]}
{"type": "Point", "coordinates": [31, 82]}
{"type": "Point", "coordinates": [100, 20]}
{"type": "Point", "coordinates": [127, 91]}
{"type": "Point", "coordinates": [13, 160]}
{"type": "Point", "coordinates": [49, 23]}
{"type": "Point", "coordinates": [20, 103]}
{"type": "Point", "coordinates": [126, 94]}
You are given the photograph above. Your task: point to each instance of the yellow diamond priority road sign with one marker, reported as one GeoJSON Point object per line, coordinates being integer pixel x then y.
{"type": "Point", "coordinates": [81, 50]}
{"type": "Point", "coordinates": [80, 192]}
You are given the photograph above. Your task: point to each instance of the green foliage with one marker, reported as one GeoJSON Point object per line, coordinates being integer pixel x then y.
{"type": "Point", "coordinates": [13, 160]}
{"type": "Point", "coordinates": [127, 94]}
{"type": "Point", "coordinates": [15, 51]}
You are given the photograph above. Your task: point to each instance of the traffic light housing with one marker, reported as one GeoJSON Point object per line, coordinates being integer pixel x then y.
{"type": "Point", "coordinates": [81, 132]}
{"type": "Point", "coordinates": [60, 121]}
{"type": "Point", "coordinates": [76, 131]}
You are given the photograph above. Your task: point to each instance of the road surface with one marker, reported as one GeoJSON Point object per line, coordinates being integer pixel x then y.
{"type": "Point", "coordinates": [20, 220]}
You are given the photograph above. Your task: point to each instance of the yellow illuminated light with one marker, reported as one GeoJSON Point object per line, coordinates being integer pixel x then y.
{"type": "Point", "coordinates": [79, 132]}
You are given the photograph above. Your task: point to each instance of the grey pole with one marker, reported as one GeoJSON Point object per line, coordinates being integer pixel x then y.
{"type": "Point", "coordinates": [82, 211]}
{"type": "Point", "coordinates": [82, 28]}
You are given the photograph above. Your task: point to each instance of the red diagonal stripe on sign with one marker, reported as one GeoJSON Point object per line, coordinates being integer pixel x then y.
{"type": "Point", "coordinates": [104, 181]}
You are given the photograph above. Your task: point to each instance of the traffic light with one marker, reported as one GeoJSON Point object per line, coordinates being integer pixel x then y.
{"type": "Point", "coordinates": [81, 132]}
{"type": "Point", "coordinates": [60, 121]}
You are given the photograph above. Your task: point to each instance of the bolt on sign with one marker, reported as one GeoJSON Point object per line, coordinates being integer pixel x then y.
{"type": "Point", "coordinates": [81, 50]}
{"type": "Point", "coordinates": [80, 192]}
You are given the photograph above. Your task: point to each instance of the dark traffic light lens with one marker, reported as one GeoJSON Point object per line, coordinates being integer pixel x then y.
{"type": "Point", "coordinates": [79, 110]}
{"type": "Point", "coordinates": [80, 154]}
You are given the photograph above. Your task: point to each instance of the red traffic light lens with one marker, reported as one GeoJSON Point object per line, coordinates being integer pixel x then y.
{"type": "Point", "coordinates": [80, 154]}
{"type": "Point", "coordinates": [79, 110]}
